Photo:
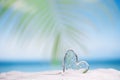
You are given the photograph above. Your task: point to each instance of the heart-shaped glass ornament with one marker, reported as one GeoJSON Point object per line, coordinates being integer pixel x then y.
{"type": "Point", "coordinates": [71, 62]}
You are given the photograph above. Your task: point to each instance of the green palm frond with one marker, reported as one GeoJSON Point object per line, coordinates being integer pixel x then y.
{"type": "Point", "coordinates": [57, 19]}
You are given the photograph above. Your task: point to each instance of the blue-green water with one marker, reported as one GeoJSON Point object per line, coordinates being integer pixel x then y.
{"type": "Point", "coordinates": [44, 66]}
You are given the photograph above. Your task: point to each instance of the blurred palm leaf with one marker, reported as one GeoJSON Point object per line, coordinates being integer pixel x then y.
{"type": "Point", "coordinates": [58, 20]}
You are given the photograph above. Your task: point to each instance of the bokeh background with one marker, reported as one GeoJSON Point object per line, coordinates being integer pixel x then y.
{"type": "Point", "coordinates": [35, 34]}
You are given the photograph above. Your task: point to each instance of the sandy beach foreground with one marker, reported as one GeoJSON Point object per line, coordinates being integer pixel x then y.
{"type": "Point", "coordinates": [97, 74]}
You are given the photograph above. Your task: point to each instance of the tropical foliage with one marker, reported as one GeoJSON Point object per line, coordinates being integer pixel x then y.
{"type": "Point", "coordinates": [57, 21]}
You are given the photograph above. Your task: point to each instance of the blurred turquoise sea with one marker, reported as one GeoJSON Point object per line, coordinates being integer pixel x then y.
{"type": "Point", "coordinates": [47, 66]}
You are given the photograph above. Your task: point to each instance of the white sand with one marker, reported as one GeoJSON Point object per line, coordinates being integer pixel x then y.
{"type": "Point", "coordinates": [98, 74]}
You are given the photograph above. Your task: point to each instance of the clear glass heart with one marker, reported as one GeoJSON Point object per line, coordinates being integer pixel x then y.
{"type": "Point", "coordinates": [71, 62]}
